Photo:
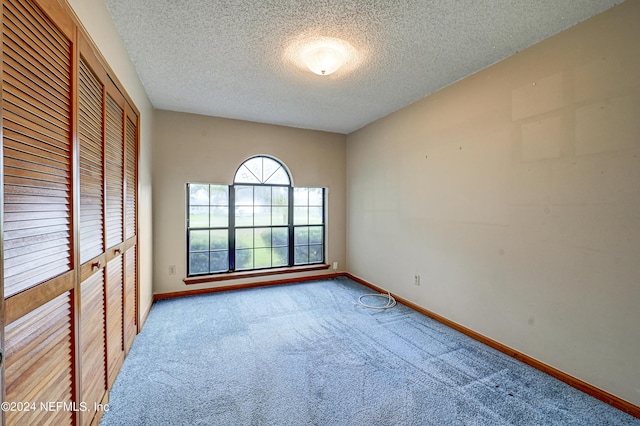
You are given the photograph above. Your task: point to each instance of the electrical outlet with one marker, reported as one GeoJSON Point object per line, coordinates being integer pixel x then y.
{"type": "Point", "coordinates": [335, 266]}
{"type": "Point", "coordinates": [416, 280]}
{"type": "Point", "coordinates": [172, 269]}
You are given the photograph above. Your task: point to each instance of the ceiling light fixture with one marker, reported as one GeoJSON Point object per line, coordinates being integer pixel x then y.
{"type": "Point", "coordinates": [324, 60]}
{"type": "Point", "coordinates": [323, 55]}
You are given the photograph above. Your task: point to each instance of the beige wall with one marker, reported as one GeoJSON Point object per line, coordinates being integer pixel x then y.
{"type": "Point", "coordinates": [196, 148]}
{"type": "Point", "coordinates": [97, 21]}
{"type": "Point", "coordinates": [515, 195]}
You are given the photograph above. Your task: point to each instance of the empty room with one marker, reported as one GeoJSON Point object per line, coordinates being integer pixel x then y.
{"type": "Point", "coordinates": [323, 212]}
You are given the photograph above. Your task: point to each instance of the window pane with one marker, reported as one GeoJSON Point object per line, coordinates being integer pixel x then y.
{"type": "Point", "coordinates": [198, 263]}
{"type": "Point", "coordinates": [300, 196]}
{"type": "Point", "coordinates": [280, 177]}
{"type": "Point", "coordinates": [315, 253]}
{"type": "Point", "coordinates": [244, 195]}
{"type": "Point", "coordinates": [199, 240]}
{"type": "Point", "coordinates": [245, 176]}
{"type": "Point", "coordinates": [219, 240]}
{"type": "Point", "coordinates": [300, 215]}
{"type": "Point", "coordinates": [280, 237]}
{"type": "Point", "coordinates": [262, 195]}
{"type": "Point", "coordinates": [315, 197]}
{"type": "Point", "coordinates": [198, 194]}
{"type": "Point", "coordinates": [244, 216]}
{"type": "Point", "coordinates": [262, 237]}
{"type": "Point", "coordinates": [315, 235]}
{"type": "Point", "coordinates": [262, 258]}
{"type": "Point", "coordinates": [244, 238]}
{"type": "Point", "coordinates": [255, 167]}
{"type": "Point", "coordinates": [220, 217]}
{"type": "Point", "coordinates": [280, 215]}
{"type": "Point", "coordinates": [262, 216]}
{"type": "Point", "coordinates": [219, 195]}
{"type": "Point", "coordinates": [219, 261]}
{"type": "Point", "coordinates": [244, 259]}
{"type": "Point", "coordinates": [198, 216]}
{"type": "Point", "coordinates": [269, 167]}
{"type": "Point", "coordinates": [280, 256]}
{"type": "Point", "coordinates": [280, 196]}
{"type": "Point", "coordinates": [301, 255]}
{"type": "Point", "coordinates": [301, 236]}
{"type": "Point", "coordinates": [315, 215]}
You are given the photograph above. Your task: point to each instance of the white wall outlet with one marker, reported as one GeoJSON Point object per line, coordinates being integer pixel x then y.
{"type": "Point", "coordinates": [172, 269]}
{"type": "Point", "coordinates": [416, 279]}
{"type": "Point", "coordinates": [335, 266]}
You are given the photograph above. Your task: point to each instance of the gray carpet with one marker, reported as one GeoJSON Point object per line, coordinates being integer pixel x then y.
{"type": "Point", "coordinates": [305, 354]}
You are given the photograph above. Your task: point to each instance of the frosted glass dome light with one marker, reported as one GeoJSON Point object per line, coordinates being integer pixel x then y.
{"type": "Point", "coordinates": [324, 60]}
{"type": "Point", "coordinates": [323, 55]}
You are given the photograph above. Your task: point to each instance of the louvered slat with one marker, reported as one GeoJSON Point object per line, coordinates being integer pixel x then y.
{"type": "Point", "coordinates": [130, 298]}
{"type": "Point", "coordinates": [91, 167]}
{"type": "Point", "coordinates": [37, 159]}
{"type": "Point", "coordinates": [131, 171]}
{"type": "Point", "coordinates": [33, 13]}
{"type": "Point", "coordinates": [39, 361]}
{"type": "Point", "coordinates": [92, 343]}
{"type": "Point", "coordinates": [114, 172]}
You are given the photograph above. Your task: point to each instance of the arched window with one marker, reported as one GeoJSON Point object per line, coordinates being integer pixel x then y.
{"type": "Point", "coordinates": [259, 222]}
{"type": "Point", "coordinates": [264, 170]}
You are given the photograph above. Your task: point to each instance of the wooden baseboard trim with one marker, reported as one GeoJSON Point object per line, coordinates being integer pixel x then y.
{"type": "Point", "coordinates": [172, 295]}
{"type": "Point", "coordinates": [582, 386]}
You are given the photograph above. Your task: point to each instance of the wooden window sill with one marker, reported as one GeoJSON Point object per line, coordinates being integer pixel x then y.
{"type": "Point", "coordinates": [201, 279]}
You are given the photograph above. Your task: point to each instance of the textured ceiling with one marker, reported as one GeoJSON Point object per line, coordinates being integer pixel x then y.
{"type": "Point", "coordinates": [234, 58]}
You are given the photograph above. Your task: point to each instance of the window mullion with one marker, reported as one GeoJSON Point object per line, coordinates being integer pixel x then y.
{"type": "Point", "coordinates": [291, 230]}
{"type": "Point", "coordinates": [188, 228]}
{"type": "Point", "coordinates": [232, 228]}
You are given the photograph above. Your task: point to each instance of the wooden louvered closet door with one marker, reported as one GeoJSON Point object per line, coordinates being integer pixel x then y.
{"type": "Point", "coordinates": [37, 149]}
{"type": "Point", "coordinates": [93, 380]}
{"type": "Point", "coordinates": [39, 368]}
{"type": "Point", "coordinates": [114, 147]}
{"type": "Point", "coordinates": [38, 212]}
{"type": "Point", "coordinates": [91, 163]}
{"type": "Point", "coordinates": [69, 221]}
{"type": "Point", "coordinates": [114, 172]}
{"type": "Point", "coordinates": [130, 229]}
